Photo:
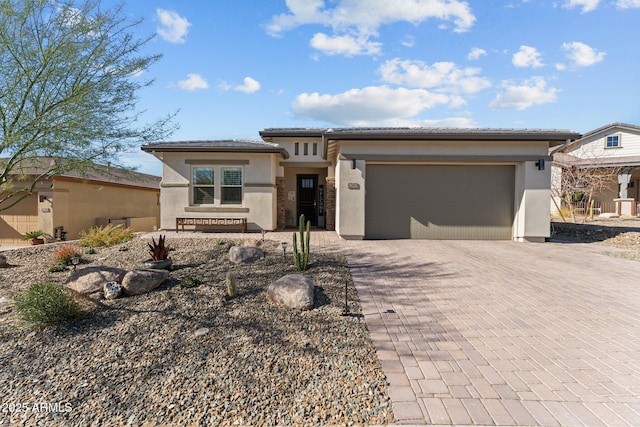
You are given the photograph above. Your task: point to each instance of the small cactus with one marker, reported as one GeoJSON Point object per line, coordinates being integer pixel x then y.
{"type": "Point", "coordinates": [231, 285]}
{"type": "Point", "coordinates": [301, 257]}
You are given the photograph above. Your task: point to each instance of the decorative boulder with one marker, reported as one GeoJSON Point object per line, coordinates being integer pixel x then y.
{"type": "Point", "coordinates": [292, 290]}
{"type": "Point", "coordinates": [112, 290]}
{"type": "Point", "coordinates": [245, 254]}
{"type": "Point", "coordinates": [138, 282]}
{"type": "Point", "coordinates": [90, 280]}
{"type": "Point", "coordinates": [3, 261]}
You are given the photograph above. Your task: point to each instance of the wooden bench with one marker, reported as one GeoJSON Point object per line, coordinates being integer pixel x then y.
{"type": "Point", "coordinates": [212, 222]}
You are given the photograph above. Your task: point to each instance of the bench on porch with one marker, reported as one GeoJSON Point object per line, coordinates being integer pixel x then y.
{"type": "Point", "coordinates": [212, 222]}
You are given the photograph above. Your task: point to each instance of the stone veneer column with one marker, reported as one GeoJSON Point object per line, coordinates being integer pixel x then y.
{"type": "Point", "coordinates": [280, 199]}
{"type": "Point", "coordinates": [331, 204]}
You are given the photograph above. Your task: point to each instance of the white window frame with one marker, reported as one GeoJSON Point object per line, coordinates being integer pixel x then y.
{"type": "Point", "coordinates": [618, 144]}
{"type": "Point", "coordinates": [217, 185]}
{"type": "Point", "coordinates": [224, 185]}
{"type": "Point", "coordinates": [194, 186]}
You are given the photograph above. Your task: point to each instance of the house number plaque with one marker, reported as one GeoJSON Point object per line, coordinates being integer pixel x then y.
{"type": "Point", "coordinates": [353, 186]}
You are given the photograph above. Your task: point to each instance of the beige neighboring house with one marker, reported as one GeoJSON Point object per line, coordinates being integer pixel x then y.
{"type": "Point", "coordinates": [367, 183]}
{"type": "Point", "coordinates": [613, 148]}
{"type": "Point", "coordinates": [78, 202]}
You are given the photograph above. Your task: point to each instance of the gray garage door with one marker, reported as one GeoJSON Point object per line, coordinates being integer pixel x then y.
{"type": "Point", "coordinates": [439, 202]}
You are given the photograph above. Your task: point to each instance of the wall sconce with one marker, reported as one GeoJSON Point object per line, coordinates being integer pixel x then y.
{"type": "Point", "coordinates": [353, 163]}
{"type": "Point", "coordinates": [540, 164]}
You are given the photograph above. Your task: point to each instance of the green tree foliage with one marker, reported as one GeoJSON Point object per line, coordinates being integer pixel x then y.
{"type": "Point", "coordinates": [70, 72]}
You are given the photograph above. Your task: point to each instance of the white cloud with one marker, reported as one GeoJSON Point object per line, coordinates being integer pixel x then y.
{"type": "Point", "coordinates": [173, 27]}
{"type": "Point", "coordinates": [443, 76]}
{"type": "Point", "coordinates": [476, 53]}
{"type": "Point", "coordinates": [532, 92]}
{"type": "Point", "coordinates": [344, 45]}
{"type": "Point", "coordinates": [628, 4]}
{"type": "Point", "coordinates": [582, 55]}
{"type": "Point", "coordinates": [527, 56]}
{"type": "Point", "coordinates": [409, 41]}
{"type": "Point", "coordinates": [361, 19]}
{"type": "Point", "coordinates": [250, 85]}
{"type": "Point", "coordinates": [370, 105]}
{"type": "Point", "coordinates": [586, 5]}
{"type": "Point", "coordinates": [193, 82]}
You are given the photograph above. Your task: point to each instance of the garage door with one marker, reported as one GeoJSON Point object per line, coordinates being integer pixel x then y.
{"type": "Point", "coordinates": [439, 202]}
{"type": "Point", "coordinates": [18, 220]}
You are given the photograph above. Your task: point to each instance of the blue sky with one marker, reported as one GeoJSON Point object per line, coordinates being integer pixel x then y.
{"type": "Point", "coordinates": [233, 67]}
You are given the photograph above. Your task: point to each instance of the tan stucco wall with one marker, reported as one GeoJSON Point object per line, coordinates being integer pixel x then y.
{"type": "Point", "coordinates": [259, 191]}
{"type": "Point", "coordinates": [532, 216]}
{"type": "Point", "coordinates": [77, 205]}
{"type": "Point", "coordinates": [18, 220]}
{"type": "Point", "coordinates": [350, 201]}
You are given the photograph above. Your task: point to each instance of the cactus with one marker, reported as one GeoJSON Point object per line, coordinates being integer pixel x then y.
{"type": "Point", "coordinates": [231, 285]}
{"type": "Point", "coordinates": [301, 257]}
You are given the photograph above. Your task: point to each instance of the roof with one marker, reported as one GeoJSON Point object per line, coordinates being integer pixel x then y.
{"type": "Point", "coordinates": [99, 173]}
{"type": "Point", "coordinates": [554, 136]}
{"type": "Point", "coordinates": [606, 128]}
{"type": "Point", "coordinates": [615, 125]}
{"type": "Point", "coordinates": [216, 146]}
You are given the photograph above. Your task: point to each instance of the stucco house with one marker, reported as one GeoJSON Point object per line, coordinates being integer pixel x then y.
{"type": "Point", "coordinates": [366, 183]}
{"type": "Point", "coordinates": [72, 202]}
{"type": "Point", "coordinates": [613, 149]}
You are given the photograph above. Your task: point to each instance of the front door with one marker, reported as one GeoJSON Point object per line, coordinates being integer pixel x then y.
{"type": "Point", "coordinates": [308, 198]}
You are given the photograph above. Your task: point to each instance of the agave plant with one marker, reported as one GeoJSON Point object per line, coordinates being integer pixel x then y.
{"type": "Point", "coordinates": [158, 250]}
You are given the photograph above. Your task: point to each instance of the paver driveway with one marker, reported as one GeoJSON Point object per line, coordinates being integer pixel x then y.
{"type": "Point", "coordinates": [503, 333]}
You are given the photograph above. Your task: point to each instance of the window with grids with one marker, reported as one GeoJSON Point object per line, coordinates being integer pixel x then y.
{"type": "Point", "coordinates": [203, 185]}
{"type": "Point", "coordinates": [230, 186]}
{"type": "Point", "coordinates": [613, 141]}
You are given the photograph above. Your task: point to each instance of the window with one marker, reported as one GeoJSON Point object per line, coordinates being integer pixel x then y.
{"type": "Point", "coordinates": [296, 148]}
{"type": "Point", "coordinates": [306, 148]}
{"type": "Point", "coordinates": [227, 192]}
{"type": "Point", "coordinates": [203, 185]}
{"type": "Point", "coordinates": [315, 148]}
{"type": "Point", "coordinates": [613, 141]}
{"type": "Point", "coordinates": [230, 186]}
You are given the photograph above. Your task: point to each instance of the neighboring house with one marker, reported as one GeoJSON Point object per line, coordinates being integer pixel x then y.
{"type": "Point", "coordinates": [372, 183]}
{"type": "Point", "coordinates": [78, 202]}
{"type": "Point", "coordinates": [610, 149]}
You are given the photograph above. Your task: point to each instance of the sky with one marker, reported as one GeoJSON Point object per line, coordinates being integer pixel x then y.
{"type": "Point", "coordinates": [233, 67]}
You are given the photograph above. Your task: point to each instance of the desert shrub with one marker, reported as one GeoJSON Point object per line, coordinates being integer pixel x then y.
{"type": "Point", "coordinates": [190, 282]}
{"type": "Point", "coordinates": [108, 235]}
{"type": "Point", "coordinates": [46, 304]}
{"type": "Point", "coordinates": [63, 254]}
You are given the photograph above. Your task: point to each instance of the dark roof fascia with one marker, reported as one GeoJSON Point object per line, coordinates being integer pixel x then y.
{"type": "Point", "coordinates": [210, 147]}
{"type": "Point", "coordinates": [292, 132]}
{"type": "Point", "coordinates": [554, 137]}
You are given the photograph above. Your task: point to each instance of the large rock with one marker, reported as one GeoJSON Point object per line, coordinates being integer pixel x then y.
{"type": "Point", "coordinates": [138, 282]}
{"type": "Point", "coordinates": [245, 254]}
{"type": "Point", "coordinates": [292, 290]}
{"type": "Point", "coordinates": [91, 279]}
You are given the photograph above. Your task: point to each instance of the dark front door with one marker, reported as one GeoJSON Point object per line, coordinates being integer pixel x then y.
{"type": "Point", "coordinates": [308, 198]}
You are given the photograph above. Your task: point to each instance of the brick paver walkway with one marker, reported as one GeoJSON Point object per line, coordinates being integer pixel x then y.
{"type": "Point", "coordinates": [499, 333]}
{"type": "Point", "coordinates": [503, 333]}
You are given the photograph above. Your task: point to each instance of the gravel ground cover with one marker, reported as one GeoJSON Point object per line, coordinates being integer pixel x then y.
{"type": "Point", "coordinates": [184, 356]}
{"type": "Point", "coordinates": [618, 238]}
